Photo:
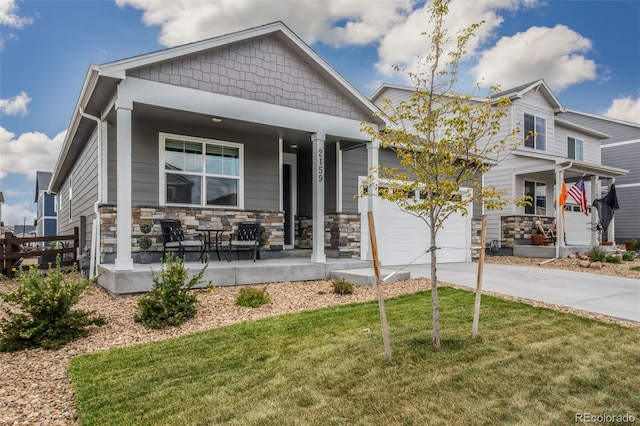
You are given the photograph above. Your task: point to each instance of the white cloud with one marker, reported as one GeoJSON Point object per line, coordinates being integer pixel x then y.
{"type": "Point", "coordinates": [28, 153]}
{"type": "Point", "coordinates": [15, 213]}
{"type": "Point", "coordinates": [335, 22]}
{"type": "Point", "coordinates": [9, 16]}
{"type": "Point", "coordinates": [555, 54]}
{"type": "Point", "coordinates": [627, 109]}
{"type": "Point", "coordinates": [16, 105]}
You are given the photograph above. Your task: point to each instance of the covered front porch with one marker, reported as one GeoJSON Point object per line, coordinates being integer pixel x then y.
{"type": "Point", "coordinates": [574, 229]}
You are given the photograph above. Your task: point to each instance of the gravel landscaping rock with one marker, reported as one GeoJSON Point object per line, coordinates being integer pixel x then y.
{"type": "Point", "coordinates": [34, 385]}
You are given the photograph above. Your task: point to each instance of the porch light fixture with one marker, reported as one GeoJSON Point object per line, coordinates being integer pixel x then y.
{"type": "Point", "coordinates": [216, 119]}
{"type": "Point", "coordinates": [294, 146]}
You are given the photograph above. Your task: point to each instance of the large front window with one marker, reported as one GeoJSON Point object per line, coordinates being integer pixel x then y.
{"type": "Point", "coordinates": [535, 130]}
{"type": "Point", "coordinates": [201, 172]}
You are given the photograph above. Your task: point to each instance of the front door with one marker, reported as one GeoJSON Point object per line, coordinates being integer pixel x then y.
{"type": "Point", "coordinates": [289, 199]}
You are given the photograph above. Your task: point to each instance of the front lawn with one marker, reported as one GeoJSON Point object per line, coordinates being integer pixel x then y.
{"type": "Point", "coordinates": [531, 366]}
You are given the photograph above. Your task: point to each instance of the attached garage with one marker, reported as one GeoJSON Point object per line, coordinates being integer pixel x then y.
{"type": "Point", "coordinates": [403, 237]}
{"type": "Point", "coordinates": [578, 226]}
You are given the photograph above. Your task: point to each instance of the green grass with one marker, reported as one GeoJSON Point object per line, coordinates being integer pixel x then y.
{"type": "Point", "coordinates": [327, 367]}
{"type": "Point", "coordinates": [635, 268]}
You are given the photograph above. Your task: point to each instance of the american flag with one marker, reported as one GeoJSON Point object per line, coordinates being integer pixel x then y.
{"type": "Point", "coordinates": [578, 193]}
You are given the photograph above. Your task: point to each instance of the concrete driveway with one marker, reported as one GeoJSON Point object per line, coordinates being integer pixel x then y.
{"type": "Point", "coordinates": [611, 296]}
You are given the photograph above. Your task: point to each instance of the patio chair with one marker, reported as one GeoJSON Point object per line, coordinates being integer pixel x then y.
{"type": "Point", "coordinates": [176, 241]}
{"type": "Point", "coordinates": [246, 237]}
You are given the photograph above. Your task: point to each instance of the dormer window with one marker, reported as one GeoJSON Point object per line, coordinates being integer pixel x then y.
{"type": "Point", "coordinates": [535, 130]}
{"type": "Point", "coordinates": [575, 149]}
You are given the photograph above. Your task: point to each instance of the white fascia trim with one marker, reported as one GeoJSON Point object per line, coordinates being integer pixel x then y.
{"type": "Point", "coordinates": [628, 185]}
{"type": "Point", "coordinates": [582, 129]}
{"type": "Point", "coordinates": [614, 144]}
{"type": "Point", "coordinates": [90, 81]}
{"type": "Point", "coordinates": [197, 101]}
{"type": "Point", "coordinates": [601, 117]}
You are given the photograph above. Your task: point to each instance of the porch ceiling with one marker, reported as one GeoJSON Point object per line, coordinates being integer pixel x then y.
{"type": "Point", "coordinates": [289, 136]}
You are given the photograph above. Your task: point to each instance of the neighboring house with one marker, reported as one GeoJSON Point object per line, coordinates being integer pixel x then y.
{"type": "Point", "coordinates": [622, 150]}
{"type": "Point", "coordinates": [560, 151]}
{"type": "Point", "coordinates": [46, 216]}
{"type": "Point", "coordinates": [23, 231]}
{"type": "Point", "coordinates": [252, 125]}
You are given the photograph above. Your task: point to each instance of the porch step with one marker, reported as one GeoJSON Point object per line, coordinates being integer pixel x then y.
{"type": "Point", "coordinates": [296, 253]}
{"type": "Point", "coordinates": [366, 276]}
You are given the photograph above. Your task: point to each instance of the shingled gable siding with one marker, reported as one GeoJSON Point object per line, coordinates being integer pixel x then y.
{"type": "Point", "coordinates": [191, 219]}
{"type": "Point", "coordinates": [261, 70]}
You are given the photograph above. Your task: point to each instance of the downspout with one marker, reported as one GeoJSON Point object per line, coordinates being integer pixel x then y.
{"type": "Point", "coordinates": [95, 244]}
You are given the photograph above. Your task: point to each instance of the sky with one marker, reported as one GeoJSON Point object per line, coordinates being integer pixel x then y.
{"type": "Point", "coordinates": [587, 51]}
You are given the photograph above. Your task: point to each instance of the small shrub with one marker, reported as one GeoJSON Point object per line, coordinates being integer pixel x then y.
{"type": "Point", "coordinates": [635, 268]}
{"type": "Point", "coordinates": [597, 254]}
{"type": "Point", "coordinates": [169, 303]}
{"type": "Point", "coordinates": [253, 297]}
{"type": "Point", "coordinates": [342, 286]}
{"type": "Point", "coordinates": [612, 259]}
{"type": "Point", "coordinates": [45, 316]}
{"type": "Point", "coordinates": [627, 256]}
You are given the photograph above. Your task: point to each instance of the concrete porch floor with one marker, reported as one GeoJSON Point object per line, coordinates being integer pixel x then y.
{"type": "Point", "coordinates": [223, 273]}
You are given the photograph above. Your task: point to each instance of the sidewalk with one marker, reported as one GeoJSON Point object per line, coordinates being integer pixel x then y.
{"type": "Point", "coordinates": [612, 296]}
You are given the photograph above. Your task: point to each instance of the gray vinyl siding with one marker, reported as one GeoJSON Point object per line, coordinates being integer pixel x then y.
{"type": "Point", "coordinates": [591, 146]}
{"type": "Point", "coordinates": [354, 164]}
{"type": "Point", "coordinates": [83, 180]}
{"type": "Point", "coordinates": [261, 173]}
{"type": "Point", "coordinates": [625, 157]}
{"type": "Point", "coordinates": [617, 131]}
{"type": "Point", "coordinates": [263, 69]}
{"type": "Point", "coordinates": [112, 165]}
{"type": "Point", "coordinates": [330, 178]}
{"type": "Point", "coordinates": [304, 181]}
{"type": "Point", "coordinates": [627, 225]}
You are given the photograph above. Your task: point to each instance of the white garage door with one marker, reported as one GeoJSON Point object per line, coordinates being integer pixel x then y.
{"type": "Point", "coordinates": [402, 237]}
{"type": "Point", "coordinates": [577, 227]}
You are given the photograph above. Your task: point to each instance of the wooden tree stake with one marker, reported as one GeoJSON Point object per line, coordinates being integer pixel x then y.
{"type": "Point", "coordinates": [476, 309]}
{"type": "Point", "coordinates": [376, 269]}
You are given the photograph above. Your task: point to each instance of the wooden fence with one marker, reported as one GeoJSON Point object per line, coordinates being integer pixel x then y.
{"type": "Point", "coordinates": [17, 253]}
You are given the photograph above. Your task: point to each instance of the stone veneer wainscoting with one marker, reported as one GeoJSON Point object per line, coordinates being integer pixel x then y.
{"type": "Point", "coordinates": [191, 219]}
{"type": "Point", "coordinates": [517, 229]}
{"type": "Point", "coordinates": [341, 235]}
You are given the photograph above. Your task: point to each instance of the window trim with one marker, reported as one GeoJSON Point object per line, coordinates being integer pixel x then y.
{"type": "Point", "coordinates": [535, 137]}
{"type": "Point", "coordinates": [535, 206]}
{"type": "Point", "coordinates": [575, 145]}
{"type": "Point", "coordinates": [162, 137]}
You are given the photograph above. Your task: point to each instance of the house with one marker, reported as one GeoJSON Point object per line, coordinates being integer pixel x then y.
{"type": "Point", "coordinates": [46, 216]}
{"type": "Point", "coordinates": [252, 125]}
{"type": "Point", "coordinates": [561, 150]}
{"type": "Point", "coordinates": [622, 150]}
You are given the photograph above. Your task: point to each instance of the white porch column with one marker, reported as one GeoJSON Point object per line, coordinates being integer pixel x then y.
{"type": "Point", "coordinates": [373, 161]}
{"type": "Point", "coordinates": [594, 214]}
{"type": "Point", "coordinates": [123, 261]}
{"type": "Point", "coordinates": [611, 232]}
{"type": "Point", "coordinates": [317, 192]}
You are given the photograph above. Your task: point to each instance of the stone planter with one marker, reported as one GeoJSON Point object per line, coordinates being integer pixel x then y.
{"type": "Point", "coordinates": [145, 258]}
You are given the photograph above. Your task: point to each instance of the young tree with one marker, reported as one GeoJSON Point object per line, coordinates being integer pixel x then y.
{"type": "Point", "coordinates": [444, 141]}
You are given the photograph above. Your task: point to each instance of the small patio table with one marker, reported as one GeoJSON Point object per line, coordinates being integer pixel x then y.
{"type": "Point", "coordinates": [213, 241]}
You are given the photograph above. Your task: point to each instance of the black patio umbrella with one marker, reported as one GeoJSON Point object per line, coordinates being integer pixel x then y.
{"type": "Point", "coordinates": [606, 207]}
